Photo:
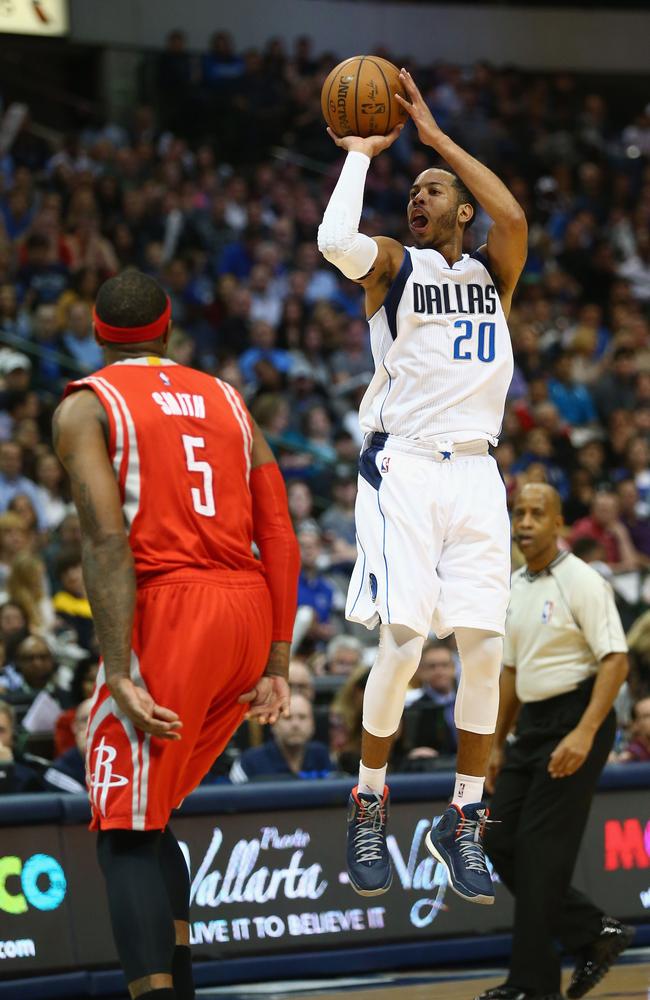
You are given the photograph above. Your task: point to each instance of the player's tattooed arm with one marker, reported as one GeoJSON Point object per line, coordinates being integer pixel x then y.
{"type": "Point", "coordinates": [80, 434]}
{"type": "Point", "coordinates": [79, 441]}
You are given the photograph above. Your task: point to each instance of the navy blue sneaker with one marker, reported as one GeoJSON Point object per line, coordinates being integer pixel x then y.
{"type": "Point", "coordinates": [456, 842]}
{"type": "Point", "coordinates": [368, 859]}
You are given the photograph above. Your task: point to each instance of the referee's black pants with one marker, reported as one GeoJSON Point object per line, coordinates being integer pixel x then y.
{"type": "Point", "coordinates": [535, 844]}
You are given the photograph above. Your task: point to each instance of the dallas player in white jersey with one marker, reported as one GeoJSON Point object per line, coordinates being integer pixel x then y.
{"type": "Point", "coordinates": [432, 525]}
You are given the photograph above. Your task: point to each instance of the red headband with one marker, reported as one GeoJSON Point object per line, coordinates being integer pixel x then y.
{"type": "Point", "coordinates": [133, 334]}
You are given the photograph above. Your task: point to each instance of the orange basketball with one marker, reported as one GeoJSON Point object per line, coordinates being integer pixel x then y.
{"type": "Point", "coordinates": [358, 97]}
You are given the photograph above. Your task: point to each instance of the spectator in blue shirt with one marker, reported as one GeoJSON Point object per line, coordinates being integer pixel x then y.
{"type": "Point", "coordinates": [263, 348]}
{"type": "Point", "coordinates": [573, 400]}
{"type": "Point", "coordinates": [12, 482]}
{"type": "Point", "coordinates": [79, 340]}
{"type": "Point", "coordinates": [314, 589]}
{"type": "Point", "coordinates": [290, 753]}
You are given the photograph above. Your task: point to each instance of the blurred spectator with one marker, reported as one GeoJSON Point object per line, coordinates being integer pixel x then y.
{"type": "Point", "coordinates": [430, 702]}
{"type": "Point", "coordinates": [581, 493]}
{"type": "Point", "coordinates": [616, 389]}
{"type": "Point", "coordinates": [301, 680]}
{"type": "Point", "coordinates": [337, 523]}
{"type": "Point", "coordinates": [71, 601]}
{"type": "Point", "coordinates": [634, 515]}
{"type": "Point", "coordinates": [82, 688]}
{"type": "Point", "coordinates": [346, 720]}
{"type": "Point", "coordinates": [33, 674]}
{"type": "Point", "coordinates": [26, 587]}
{"type": "Point", "coordinates": [314, 589]}
{"type": "Point", "coordinates": [40, 279]}
{"type": "Point", "coordinates": [343, 656]}
{"type": "Point", "coordinates": [13, 629]}
{"type": "Point", "coordinates": [50, 479]}
{"type": "Point", "coordinates": [638, 641]}
{"type": "Point", "coordinates": [263, 349]}
{"type": "Point", "coordinates": [68, 771]}
{"type": "Point", "coordinates": [301, 506]}
{"type": "Point", "coordinates": [78, 339]}
{"type": "Point", "coordinates": [573, 400]}
{"type": "Point", "coordinates": [604, 525]}
{"type": "Point", "coordinates": [13, 539]}
{"type": "Point", "coordinates": [291, 753]}
{"type": "Point", "coordinates": [16, 774]}
{"type": "Point", "coordinates": [638, 748]}
{"type": "Point", "coordinates": [12, 481]}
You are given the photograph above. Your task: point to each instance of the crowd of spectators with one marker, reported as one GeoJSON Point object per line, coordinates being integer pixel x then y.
{"type": "Point", "coordinates": [216, 186]}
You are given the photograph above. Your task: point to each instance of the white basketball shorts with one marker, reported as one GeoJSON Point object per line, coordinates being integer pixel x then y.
{"type": "Point", "coordinates": [433, 539]}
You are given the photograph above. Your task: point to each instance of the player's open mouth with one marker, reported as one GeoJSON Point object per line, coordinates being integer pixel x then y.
{"type": "Point", "coordinates": [418, 222]}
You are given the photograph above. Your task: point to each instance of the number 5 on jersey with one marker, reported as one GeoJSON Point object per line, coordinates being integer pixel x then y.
{"type": "Point", "coordinates": [203, 501]}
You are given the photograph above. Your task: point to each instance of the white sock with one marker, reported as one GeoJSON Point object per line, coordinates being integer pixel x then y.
{"type": "Point", "coordinates": [468, 789]}
{"type": "Point", "coordinates": [372, 779]}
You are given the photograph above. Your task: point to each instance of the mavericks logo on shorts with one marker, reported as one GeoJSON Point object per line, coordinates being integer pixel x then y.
{"type": "Point", "coordinates": [372, 583]}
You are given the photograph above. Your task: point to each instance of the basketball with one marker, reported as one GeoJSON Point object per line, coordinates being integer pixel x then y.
{"type": "Point", "coordinates": [358, 97]}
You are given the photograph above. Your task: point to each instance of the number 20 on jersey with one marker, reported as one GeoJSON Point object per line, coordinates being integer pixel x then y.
{"type": "Point", "coordinates": [467, 346]}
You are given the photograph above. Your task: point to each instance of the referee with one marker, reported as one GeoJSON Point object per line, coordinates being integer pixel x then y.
{"type": "Point", "coordinates": [564, 662]}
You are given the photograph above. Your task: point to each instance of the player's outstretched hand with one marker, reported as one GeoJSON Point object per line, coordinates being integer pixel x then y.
{"type": "Point", "coordinates": [371, 146]}
{"type": "Point", "coordinates": [416, 106]}
{"type": "Point", "coordinates": [138, 706]}
{"type": "Point", "coordinates": [268, 700]}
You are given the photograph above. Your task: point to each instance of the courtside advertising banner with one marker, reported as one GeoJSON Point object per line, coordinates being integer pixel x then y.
{"type": "Point", "coordinates": [276, 882]}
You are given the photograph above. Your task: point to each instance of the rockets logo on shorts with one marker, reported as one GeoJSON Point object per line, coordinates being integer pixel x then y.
{"type": "Point", "coordinates": [102, 776]}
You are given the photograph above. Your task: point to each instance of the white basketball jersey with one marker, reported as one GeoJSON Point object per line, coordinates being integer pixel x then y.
{"type": "Point", "coordinates": [442, 352]}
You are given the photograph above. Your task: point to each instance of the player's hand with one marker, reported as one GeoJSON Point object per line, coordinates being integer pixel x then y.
{"type": "Point", "coordinates": [268, 700]}
{"type": "Point", "coordinates": [570, 753]}
{"type": "Point", "coordinates": [428, 129]}
{"type": "Point", "coordinates": [371, 146]}
{"type": "Point", "coordinates": [495, 763]}
{"type": "Point", "coordinates": [138, 706]}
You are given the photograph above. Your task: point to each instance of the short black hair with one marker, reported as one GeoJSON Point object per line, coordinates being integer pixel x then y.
{"type": "Point", "coordinates": [130, 299]}
{"type": "Point", "coordinates": [465, 196]}
{"type": "Point", "coordinates": [585, 547]}
{"type": "Point", "coordinates": [68, 558]}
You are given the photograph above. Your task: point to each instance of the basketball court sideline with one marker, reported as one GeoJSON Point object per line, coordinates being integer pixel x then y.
{"type": "Point", "coordinates": [628, 980]}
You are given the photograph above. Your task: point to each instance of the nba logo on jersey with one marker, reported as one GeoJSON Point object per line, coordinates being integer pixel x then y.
{"type": "Point", "coordinates": [385, 463]}
{"type": "Point", "coordinates": [547, 612]}
{"type": "Point", "coordinates": [165, 378]}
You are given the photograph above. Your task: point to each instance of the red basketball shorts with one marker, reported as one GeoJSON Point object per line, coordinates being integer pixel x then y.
{"type": "Point", "coordinates": [197, 646]}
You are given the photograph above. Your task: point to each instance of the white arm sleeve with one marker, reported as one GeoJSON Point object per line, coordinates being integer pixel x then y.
{"type": "Point", "coordinates": [339, 239]}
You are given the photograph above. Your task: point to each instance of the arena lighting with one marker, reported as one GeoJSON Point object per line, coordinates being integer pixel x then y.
{"type": "Point", "coordinates": [34, 17]}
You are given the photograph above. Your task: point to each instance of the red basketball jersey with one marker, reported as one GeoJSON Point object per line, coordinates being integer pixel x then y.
{"type": "Point", "coordinates": [180, 444]}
